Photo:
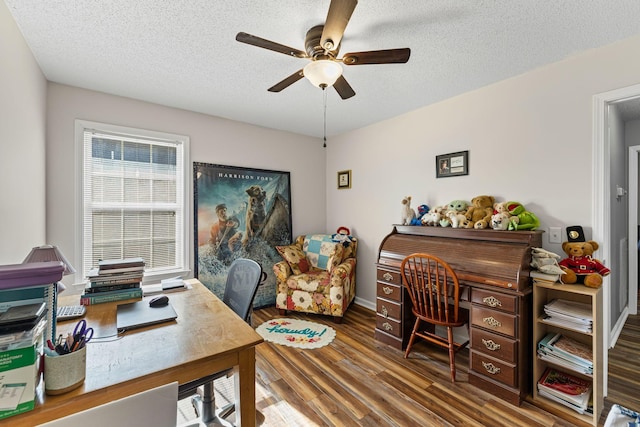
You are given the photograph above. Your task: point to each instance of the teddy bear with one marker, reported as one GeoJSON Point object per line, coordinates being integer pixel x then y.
{"type": "Point", "coordinates": [407, 214]}
{"type": "Point", "coordinates": [524, 220]}
{"type": "Point", "coordinates": [480, 211]}
{"type": "Point", "coordinates": [580, 267]}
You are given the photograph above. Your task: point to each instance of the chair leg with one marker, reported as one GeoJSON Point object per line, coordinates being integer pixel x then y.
{"type": "Point", "coordinates": [412, 338]}
{"type": "Point", "coordinates": [452, 354]}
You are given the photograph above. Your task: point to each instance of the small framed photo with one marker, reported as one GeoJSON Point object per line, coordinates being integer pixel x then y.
{"type": "Point", "coordinates": [452, 164]}
{"type": "Point", "coordinates": [344, 180]}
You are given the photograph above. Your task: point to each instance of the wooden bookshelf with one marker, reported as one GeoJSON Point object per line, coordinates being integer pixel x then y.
{"type": "Point", "coordinates": [542, 294]}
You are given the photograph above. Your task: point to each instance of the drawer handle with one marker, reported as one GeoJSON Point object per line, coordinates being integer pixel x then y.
{"type": "Point", "coordinates": [492, 321]}
{"type": "Point", "coordinates": [385, 313]}
{"type": "Point", "coordinates": [492, 301]}
{"type": "Point", "coordinates": [387, 290]}
{"type": "Point", "coordinates": [491, 368]}
{"type": "Point", "coordinates": [387, 326]}
{"type": "Point", "coordinates": [491, 344]}
{"type": "Point", "coordinates": [388, 277]}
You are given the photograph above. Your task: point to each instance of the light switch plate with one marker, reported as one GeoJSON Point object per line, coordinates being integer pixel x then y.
{"type": "Point", "coordinates": [555, 235]}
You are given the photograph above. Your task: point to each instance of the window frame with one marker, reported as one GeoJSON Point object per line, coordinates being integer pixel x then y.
{"type": "Point", "coordinates": [81, 240]}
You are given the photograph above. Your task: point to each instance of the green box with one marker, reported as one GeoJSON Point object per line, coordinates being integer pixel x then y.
{"type": "Point", "coordinates": [19, 378]}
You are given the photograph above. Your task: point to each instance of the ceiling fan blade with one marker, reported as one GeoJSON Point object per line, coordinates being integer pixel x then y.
{"type": "Point", "coordinates": [389, 56]}
{"type": "Point", "coordinates": [267, 44]}
{"type": "Point", "coordinates": [343, 88]}
{"type": "Point", "coordinates": [287, 82]}
{"type": "Point", "coordinates": [337, 19]}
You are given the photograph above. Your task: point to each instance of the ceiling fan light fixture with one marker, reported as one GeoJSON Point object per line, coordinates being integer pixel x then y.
{"type": "Point", "coordinates": [323, 72]}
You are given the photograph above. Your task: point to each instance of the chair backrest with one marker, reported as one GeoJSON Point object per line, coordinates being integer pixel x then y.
{"type": "Point", "coordinates": [433, 288]}
{"type": "Point", "coordinates": [243, 279]}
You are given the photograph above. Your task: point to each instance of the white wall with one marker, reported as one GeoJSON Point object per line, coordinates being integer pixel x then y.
{"type": "Point", "coordinates": [529, 139]}
{"type": "Point", "coordinates": [213, 140]}
{"type": "Point", "coordinates": [22, 145]}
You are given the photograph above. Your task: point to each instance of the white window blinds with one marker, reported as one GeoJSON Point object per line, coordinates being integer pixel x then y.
{"type": "Point", "coordinates": [133, 198]}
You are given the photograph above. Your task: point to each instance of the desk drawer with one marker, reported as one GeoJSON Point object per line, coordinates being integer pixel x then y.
{"type": "Point", "coordinates": [389, 276]}
{"type": "Point", "coordinates": [390, 292]}
{"type": "Point", "coordinates": [390, 326]}
{"type": "Point", "coordinates": [493, 368]}
{"type": "Point", "coordinates": [497, 300]}
{"type": "Point", "coordinates": [494, 320]}
{"type": "Point", "coordinates": [494, 345]}
{"type": "Point", "coordinates": [388, 309]}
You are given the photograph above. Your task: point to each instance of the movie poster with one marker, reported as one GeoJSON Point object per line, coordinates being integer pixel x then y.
{"type": "Point", "coordinates": [239, 213]}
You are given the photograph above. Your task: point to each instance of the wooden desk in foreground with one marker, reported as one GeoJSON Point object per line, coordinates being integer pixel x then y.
{"type": "Point", "coordinates": [207, 337]}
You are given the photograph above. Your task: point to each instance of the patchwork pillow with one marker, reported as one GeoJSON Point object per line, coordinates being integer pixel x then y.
{"type": "Point", "coordinates": [296, 259]}
{"type": "Point", "coordinates": [319, 249]}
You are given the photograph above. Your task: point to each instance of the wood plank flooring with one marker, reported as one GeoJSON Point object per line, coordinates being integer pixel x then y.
{"type": "Point", "coordinates": [358, 381]}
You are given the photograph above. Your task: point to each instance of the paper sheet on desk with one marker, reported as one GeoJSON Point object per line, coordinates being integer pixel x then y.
{"type": "Point", "coordinates": [166, 284]}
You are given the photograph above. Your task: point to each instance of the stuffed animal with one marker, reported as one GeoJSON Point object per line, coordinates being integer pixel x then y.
{"type": "Point", "coordinates": [457, 206]}
{"type": "Point", "coordinates": [524, 220]}
{"type": "Point", "coordinates": [500, 221]}
{"type": "Point", "coordinates": [580, 267]}
{"type": "Point", "coordinates": [459, 220]}
{"type": "Point", "coordinates": [480, 211]}
{"type": "Point", "coordinates": [343, 235]}
{"type": "Point", "coordinates": [422, 211]}
{"type": "Point", "coordinates": [407, 214]}
{"type": "Point", "coordinates": [432, 218]}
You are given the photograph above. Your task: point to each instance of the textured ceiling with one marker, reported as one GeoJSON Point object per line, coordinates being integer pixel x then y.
{"type": "Point", "coordinates": [183, 53]}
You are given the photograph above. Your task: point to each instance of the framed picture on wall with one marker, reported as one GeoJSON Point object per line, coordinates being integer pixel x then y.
{"type": "Point", "coordinates": [344, 180]}
{"type": "Point", "coordinates": [452, 164]}
{"type": "Point", "coordinates": [239, 213]}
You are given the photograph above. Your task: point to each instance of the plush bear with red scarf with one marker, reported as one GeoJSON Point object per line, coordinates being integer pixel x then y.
{"type": "Point", "coordinates": [580, 267]}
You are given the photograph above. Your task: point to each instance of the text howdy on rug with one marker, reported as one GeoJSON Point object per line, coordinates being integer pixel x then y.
{"type": "Point", "coordinates": [309, 333]}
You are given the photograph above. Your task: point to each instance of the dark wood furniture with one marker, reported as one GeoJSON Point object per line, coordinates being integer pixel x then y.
{"type": "Point", "coordinates": [493, 267]}
{"type": "Point", "coordinates": [434, 291]}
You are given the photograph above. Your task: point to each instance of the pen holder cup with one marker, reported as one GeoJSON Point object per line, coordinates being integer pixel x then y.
{"type": "Point", "coordinates": [64, 373]}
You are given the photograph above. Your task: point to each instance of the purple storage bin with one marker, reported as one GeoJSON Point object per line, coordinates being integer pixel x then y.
{"type": "Point", "coordinates": [34, 273]}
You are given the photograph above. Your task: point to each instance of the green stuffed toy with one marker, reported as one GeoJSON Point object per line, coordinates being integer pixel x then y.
{"type": "Point", "coordinates": [521, 219]}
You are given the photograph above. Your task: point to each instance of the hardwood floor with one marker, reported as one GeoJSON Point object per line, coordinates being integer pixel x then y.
{"type": "Point", "coordinates": [358, 381]}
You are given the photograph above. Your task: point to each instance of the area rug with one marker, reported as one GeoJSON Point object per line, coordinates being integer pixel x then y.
{"type": "Point", "coordinates": [296, 333]}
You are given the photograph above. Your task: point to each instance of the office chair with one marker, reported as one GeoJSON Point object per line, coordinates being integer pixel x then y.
{"type": "Point", "coordinates": [435, 296]}
{"type": "Point", "coordinates": [243, 278]}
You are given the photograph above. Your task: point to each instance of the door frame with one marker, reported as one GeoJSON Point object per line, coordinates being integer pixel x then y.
{"type": "Point", "coordinates": [601, 207]}
{"type": "Point", "coordinates": [634, 163]}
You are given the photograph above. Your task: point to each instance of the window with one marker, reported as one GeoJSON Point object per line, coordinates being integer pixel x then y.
{"type": "Point", "coordinates": [133, 197]}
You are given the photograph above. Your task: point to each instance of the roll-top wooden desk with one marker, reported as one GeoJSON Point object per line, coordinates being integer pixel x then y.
{"type": "Point", "coordinates": [493, 267]}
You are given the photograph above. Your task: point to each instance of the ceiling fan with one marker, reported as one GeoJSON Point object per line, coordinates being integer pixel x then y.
{"type": "Point", "coordinates": [322, 44]}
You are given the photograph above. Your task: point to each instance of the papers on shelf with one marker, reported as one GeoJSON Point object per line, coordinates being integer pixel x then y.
{"type": "Point", "coordinates": [567, 353]}
{"type": "Point", "coordinates": [569, 314]}
{"type": "Point", "coordinates": [566, 389]}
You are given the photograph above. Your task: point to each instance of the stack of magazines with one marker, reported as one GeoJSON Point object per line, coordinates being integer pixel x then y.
{"type": "Point", "coordinates": [569, 314]}
{"type": "Point", "coordinates": [566, 352]}
{"type": "Point", "coordinates": [570, 391]}
{"type": "Point", "coordinates": [114, 280]}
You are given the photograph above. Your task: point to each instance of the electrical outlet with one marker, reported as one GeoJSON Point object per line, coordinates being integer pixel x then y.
{"type": "Point", "coordinates": [555, 235]}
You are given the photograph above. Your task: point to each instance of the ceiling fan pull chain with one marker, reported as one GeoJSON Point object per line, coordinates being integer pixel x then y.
{"type": "Point", "coordinates": [324, 101]}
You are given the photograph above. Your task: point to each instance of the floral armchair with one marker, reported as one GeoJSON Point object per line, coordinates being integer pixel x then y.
{"type": "Point", "coordinates": [317, 275]}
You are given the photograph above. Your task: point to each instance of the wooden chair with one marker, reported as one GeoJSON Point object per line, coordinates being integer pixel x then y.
{"type": "Point", "coordinates": [435, 296]}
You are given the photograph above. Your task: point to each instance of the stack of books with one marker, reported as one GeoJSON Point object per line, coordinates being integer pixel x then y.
{"type": "Point", "coordinates": [566, 389]}
{"type": "Point", "coordinates": [566, 352]}
{"type": "Point", "coordinates": [572, 315]}
{"type": "Point", "coordinates": [114, 280]}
